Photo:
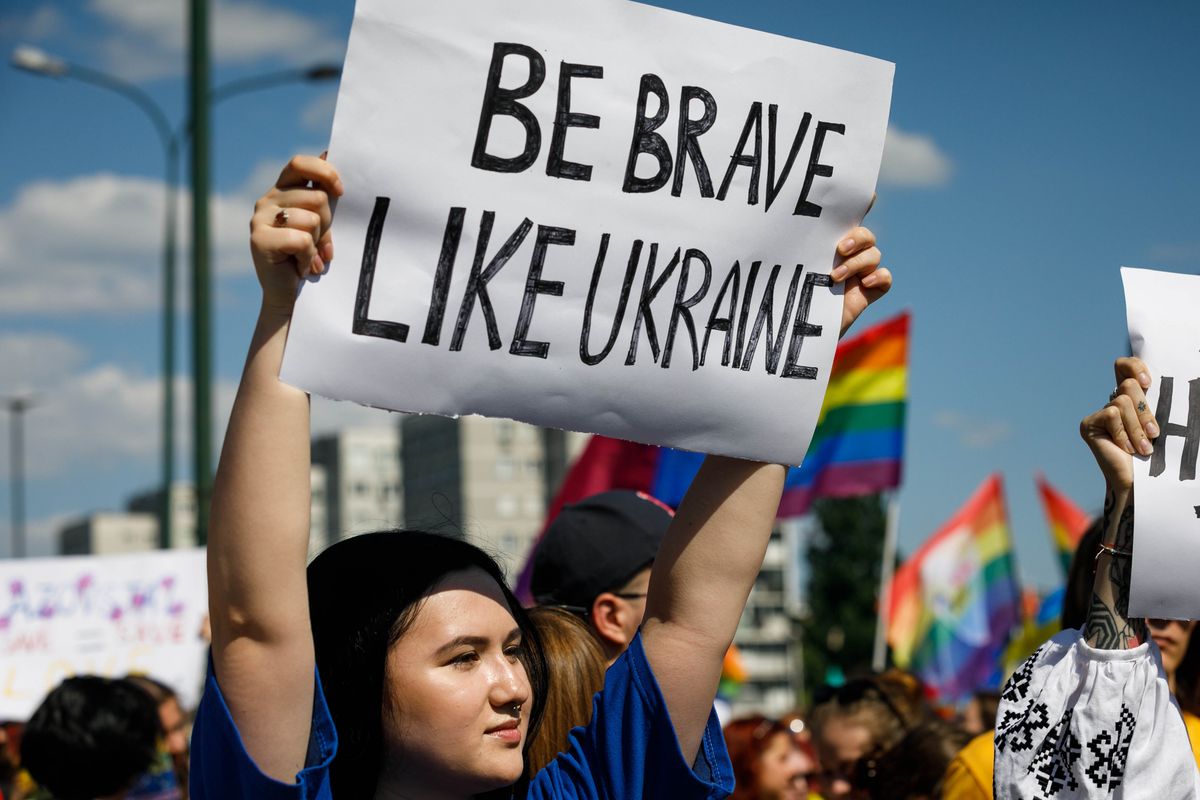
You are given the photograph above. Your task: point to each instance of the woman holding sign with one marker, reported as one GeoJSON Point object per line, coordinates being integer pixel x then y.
{"type": "Point", "coordinates": [1090, 714]}
{"type": "Point", "coordinates": [428, 676]}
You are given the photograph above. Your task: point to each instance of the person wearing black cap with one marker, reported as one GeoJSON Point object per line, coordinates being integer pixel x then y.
{"type": "Point", "coordinates": [595, 561]}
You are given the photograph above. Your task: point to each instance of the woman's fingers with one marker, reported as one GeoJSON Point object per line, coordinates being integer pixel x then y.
{"type": "Point", "coordinates": [1133, 379]}
{"type": "Point", "coordinates": [1131, 367]}
{"type": "Point", "coordinates": [856, 240]}
{"type": "Point", "coordinates": [1134, 435]}
{"type": "Point", "coordinates": [302, 170]}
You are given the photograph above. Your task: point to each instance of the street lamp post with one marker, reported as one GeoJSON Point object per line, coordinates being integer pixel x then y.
{"type": "Point", "coordinates": [38, 62]}
{"type": "Point", "coordinates": [17, 406]}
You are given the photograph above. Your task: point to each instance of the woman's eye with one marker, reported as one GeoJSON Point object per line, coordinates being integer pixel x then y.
{"type": "Point", "coordinates": [465, 659]}
{"type": "Point", "coordinates": [514, 651]}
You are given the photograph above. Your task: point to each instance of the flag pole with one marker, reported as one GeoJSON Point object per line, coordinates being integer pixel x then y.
{"type": "Point", "coordinates": [879, 657]}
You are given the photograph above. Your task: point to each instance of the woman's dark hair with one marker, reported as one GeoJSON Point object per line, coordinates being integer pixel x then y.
{"type": "Point", "coordinates": [364, 593]}
{"type": "Point", "coordinates": [1078, 595]}
{"type": "Point", "coordinates": [90, 737]}
{"type": "Point", "coordinates": [1187, 676]}
{"type": "Point", "coordinates": [914, 766]}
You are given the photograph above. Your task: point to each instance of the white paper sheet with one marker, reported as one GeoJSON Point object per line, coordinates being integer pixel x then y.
{"type": "Point", "coordinates": [1164, 331]}
{"type": "Point", "coordinates": [101, 615]}
{"type": "Point", "coordinates": [408, 128]}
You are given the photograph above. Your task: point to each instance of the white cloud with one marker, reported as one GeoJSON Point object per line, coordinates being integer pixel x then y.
{"type": "Point", "coordinates": [32, 360]}
{"type": "Point", "coordinates": [39, 24]}
{"type": "Point", "coordinates": [971, 432]}
{"type": "Point", "coordinates": [913, 160]}
{"type": "Point", "coordinates": [149, 37]}
{"type": "Point", "coordinates": [94, 244]}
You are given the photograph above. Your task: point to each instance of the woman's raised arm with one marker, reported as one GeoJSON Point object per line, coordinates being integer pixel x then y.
{"type": "Point", "coordinates": [1114, 433]}
{"type": "Point", "coordinates": [714, 549]}
{"type": "Point", "coordinates": [257, 549]}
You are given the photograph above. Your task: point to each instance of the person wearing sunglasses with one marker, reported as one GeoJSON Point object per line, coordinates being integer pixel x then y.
{"type": "Point", "coordinates": [1091, 713]}
{"type": "Point", "coordinates": [859, 721]}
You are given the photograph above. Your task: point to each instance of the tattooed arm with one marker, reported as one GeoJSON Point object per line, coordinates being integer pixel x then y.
{"type": "Point", "coordinates": [1108, 624]}
{"type": "Point", "coordinates": [1114, 433]}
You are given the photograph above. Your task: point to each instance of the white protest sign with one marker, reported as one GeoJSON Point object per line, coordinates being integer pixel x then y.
{"type": "Point", "coordinates": [591, 215]}
{"type": "Point", "coordinates": [100, 615]}
{"type": "Point", "coordinates": [1164, 331]}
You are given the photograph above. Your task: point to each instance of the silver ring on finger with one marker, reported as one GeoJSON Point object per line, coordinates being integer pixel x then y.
{"type": "Point", "coordinates": [281, 218]}
{"type": "Point", "coordinates": [1111, 397]}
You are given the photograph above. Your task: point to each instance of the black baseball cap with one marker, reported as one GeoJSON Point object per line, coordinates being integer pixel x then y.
{"type": "Point", "coordinates": [595, 546]}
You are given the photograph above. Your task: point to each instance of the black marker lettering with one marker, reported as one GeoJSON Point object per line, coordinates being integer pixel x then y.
{"type": "Point", "coordinates": [716, 323]}
{"type": "Point", "coordinates": [362, 325]}
{"type": "Point", "coordinates": [683, 308]}
{"type": "Point", "coordinates": [556, 166]}
{"type": "Point", "coordinates": [690, 131]}
{"type": "Point", "coordinates": [504, 102]}
{"type": "Point", "coordinates": [645, 140]}
{"type": "Point", "coordinates": [803, 327]}
{"type": "Point", "coordinates": [478, 281]}
{"type": "Point", "coordinates": [773, 187]}
{"type": "Point", "coordinates": [740, 159]}
{"type": "Point", "coordinates": [803, 207]}
{"type": "Point", "coordinates": [635, 253]}
{"type": "Point", "coordinates": [441, 277]}
{"type": "Point", "coordinates": [766, 316]}
{"type": "Point", "coordinates": [744, 317]}
{"type": "Point", "coordinates": [1190, 431]}
{"type": "Point", "coordinates": [650, 290]}
{"type": "Point", "coordinates": [534, 285]}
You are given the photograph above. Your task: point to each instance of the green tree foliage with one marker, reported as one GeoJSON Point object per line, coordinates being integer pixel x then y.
{"type": "Point", "coordinates": [843, 558]}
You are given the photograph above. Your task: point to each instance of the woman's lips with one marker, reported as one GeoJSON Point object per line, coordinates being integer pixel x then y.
{"type": "Point", "coordinates": [506, 731]}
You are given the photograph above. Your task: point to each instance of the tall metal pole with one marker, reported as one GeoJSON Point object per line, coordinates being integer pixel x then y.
{"type": "Point", "coordinates": [201, 305]}
{"type": "Point", "coordinates": [17, 406]}
{"type": "Point", "coordinates": [887, 568]}
{"type": "Point", "coordinates": [165, 533]}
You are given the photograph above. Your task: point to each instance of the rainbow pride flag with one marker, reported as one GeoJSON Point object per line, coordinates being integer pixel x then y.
{"type": "Point", "coordinates": [1068, 522]}
{"type": "Point", "coordinates": [858, 445]}
{"type": "Point", "coordinates": [955, 602]}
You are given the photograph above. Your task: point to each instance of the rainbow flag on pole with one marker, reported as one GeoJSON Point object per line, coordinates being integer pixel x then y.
{"type": "Point", "coordinates": [858, 445]}
{"type": "Point", "coordinates": [955, 602]}
{"type": "Point", "coordinates": [1068, 522]}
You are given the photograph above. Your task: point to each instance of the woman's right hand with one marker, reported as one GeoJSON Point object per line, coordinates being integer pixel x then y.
{"type": "Point", "coordinates": [289, 232]}
{"type": "Point", "coordinates": [1124, 425]}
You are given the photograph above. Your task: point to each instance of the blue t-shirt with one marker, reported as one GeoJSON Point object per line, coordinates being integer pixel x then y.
{"type": "Point", "coordinates": [628, 750]}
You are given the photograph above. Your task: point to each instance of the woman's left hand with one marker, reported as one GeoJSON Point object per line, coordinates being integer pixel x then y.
{"type": "Point", "coordinates": [865, 280]}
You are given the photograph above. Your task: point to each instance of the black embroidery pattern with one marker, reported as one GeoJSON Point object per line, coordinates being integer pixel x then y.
{"type": "Point", "coordinates": [1018, 736]}
{"type": "Point", "coordinates": [1111, 749]}
{"type": "Point", "coordinates": [1018, 685]}
{"type": "Point", "coordinates": [1056, 757]}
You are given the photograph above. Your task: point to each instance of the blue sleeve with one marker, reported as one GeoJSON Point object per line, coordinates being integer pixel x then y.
{"type": "Point", "coordinates": [221, 769]}
{"type": "Point", "coordinates": [629, 748]}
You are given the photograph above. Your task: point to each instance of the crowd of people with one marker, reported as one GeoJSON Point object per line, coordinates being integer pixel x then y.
{"type": "Point", "coordinates": [400, 664]}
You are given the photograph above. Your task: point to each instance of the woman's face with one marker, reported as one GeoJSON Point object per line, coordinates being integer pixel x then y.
{"type": "Point", "coordinates": [783, 770]}
{"type": "Point", "coordinates": [459, 695]}
{"type": "Point", "coordinates": [1172, 637]}
{"type": "Point", "coordinates": [840, 745]}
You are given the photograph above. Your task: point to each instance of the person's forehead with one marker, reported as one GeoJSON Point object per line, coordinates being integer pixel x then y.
{"type": "Point", "coordinates": [466, 603]}
{"type": "Point", "coordinates": [845, 739]}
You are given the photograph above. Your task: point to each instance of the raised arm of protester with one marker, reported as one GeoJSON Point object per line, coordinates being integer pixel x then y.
{"type": "Point", "coordinates": [1114, 433]}
{"type": "Point", "coordinates": [1091, 712]}
{"type": "Point", "coordinates": [429, 676]}
{"type": "Point", "coordinates": [715, 545]}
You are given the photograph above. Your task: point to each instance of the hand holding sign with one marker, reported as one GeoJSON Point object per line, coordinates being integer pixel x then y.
{"type": "Point", "coordinates": [1161, 311]}
{"type": "Point", "coordinates": [1123, 426]}
{"type": "Point", "coordinates": [595, 216]}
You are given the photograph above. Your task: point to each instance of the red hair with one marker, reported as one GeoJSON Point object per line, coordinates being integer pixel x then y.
{"type": "Point", "coordinates": [746, 740]}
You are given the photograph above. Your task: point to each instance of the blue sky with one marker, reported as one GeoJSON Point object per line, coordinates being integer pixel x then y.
{"type": "Point", "coordinates": [1035, 148]}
